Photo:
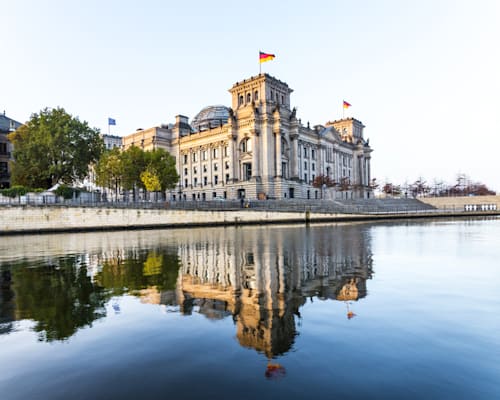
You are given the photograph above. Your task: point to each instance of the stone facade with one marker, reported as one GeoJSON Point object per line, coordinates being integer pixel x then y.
{"type": "Point", "coordinates": [7, 125]}
{"type": "Point", "coordinates": [111, 141]}
{"type": "Point", "coordinates": [260, 149]}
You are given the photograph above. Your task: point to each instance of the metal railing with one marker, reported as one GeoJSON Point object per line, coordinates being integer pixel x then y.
{"type": "Point", "coordinates": [361, 207]}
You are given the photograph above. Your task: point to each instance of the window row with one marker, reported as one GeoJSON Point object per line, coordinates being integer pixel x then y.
{"type": "Point", "coordinates": [205, 181]}
{"type": "Point", "coordinates": [305, 152]}
{"type": "Point", "coordinates": [204, 167]}
{"type": "Point", "coordinates": [275, 96]}
{"type": "Point", "coordinates": [204, 154]}
{"type": "Point", "coordinates": [241, 98]}
{"type": "Point", "coordinates": [313, 166]}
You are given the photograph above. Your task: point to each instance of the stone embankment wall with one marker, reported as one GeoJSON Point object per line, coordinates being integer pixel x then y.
{"type": "Point", "coordinates": [459, 203]}
{"type": "Point", "coordinates": [16, 219]}
{"type": "Point", "coordinates": [53, 218]}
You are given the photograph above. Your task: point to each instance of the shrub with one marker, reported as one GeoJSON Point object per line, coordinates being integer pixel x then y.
{"type": "Point", "coordinates": [65, 191]}
{"type": "Point", "coordinates": [15, 191]}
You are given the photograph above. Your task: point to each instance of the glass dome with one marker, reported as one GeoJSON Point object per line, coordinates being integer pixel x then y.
{"type": "Point", "coordinates": [210, 117]}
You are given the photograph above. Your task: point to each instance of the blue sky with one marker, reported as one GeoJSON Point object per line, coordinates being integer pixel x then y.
{"type": "Point", "coordinates": [423, 76]}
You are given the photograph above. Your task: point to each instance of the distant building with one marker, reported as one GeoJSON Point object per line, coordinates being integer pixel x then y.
{"type": "Point", "coordinates": [150, 139]}
{"type": "Point", "coordinates": [7, 125]}
{"type": "Point", "coordinates": [111, 141]}
{"type": "Point", "coordinates": [259, 148]}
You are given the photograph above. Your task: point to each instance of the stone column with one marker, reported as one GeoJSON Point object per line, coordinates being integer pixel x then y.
{"type": "Point", "coordinates": [277, 158]}
{"type": "Point", "coordinates": [294, 158]}
{"type": "Point", "coordinates": [256, 148]}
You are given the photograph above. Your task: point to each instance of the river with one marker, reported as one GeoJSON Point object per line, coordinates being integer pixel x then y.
{"type": "Point", "coordinates": [396, 310]}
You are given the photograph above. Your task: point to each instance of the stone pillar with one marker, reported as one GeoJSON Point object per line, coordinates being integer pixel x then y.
{"type": "Point", "coordinates": [294, 158]}
{"type": "Point", "coordinates": [234, 158]}
{"type": "Point", "coordinates": [256, 149]}
{"type": "Point", "coordinates": [277, 152]}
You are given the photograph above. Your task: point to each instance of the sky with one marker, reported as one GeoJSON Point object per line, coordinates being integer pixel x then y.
{"type": "Point", "coordinates": [423, 76]}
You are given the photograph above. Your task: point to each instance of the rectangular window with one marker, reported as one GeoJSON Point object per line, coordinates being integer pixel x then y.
{"type": "Point", "coordinates": [195, 170]}
{"type": "Point", "coordinates": [247, 171]}
{"type": "Point", "coordinates": [194, 157]}
{"type": "Point", "coordinates": [313, 154]}
{"type": "Point", "coordinates": [227, 164]}
{"type": "Point", "coordinates": [227, 178]}
{"type": "Point", "coordinates": [305, 164]}
{"type": "Point", "coordinates": [216, 179]}
{"type": "Point", "coordinates": [249, 259]}
{"type": "Point", "coordinates": [305, 152]}
{"type": "Point", "coordinates": [226, 151]}
{"type": "Point", "coordinates": [185, 183]}
{"type": "Point", "coordinates": [185, 158]}
{"type": "Point", "coordinates": [204, 167]}
{"type": "Point", "coordinates": [305, 178]}
{"type": "Point", "coordinates": [205, 180]}
{"type": "Point", "coordinates": [215, 153]}
{"type": "Point", "coordinates": [214, 195]}
{"type": "Point", "coordinates": [313, 167]}
{"type": "Point", "coordinates": [204, 155]}
{"type": "Point", "coordinates": [216, 167]}
{"type": "Point", "coordinates": [195, 181]}
{"type": "Point", "coordinates": [185, 171]}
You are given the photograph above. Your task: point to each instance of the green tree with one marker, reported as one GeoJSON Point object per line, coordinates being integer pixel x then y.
{"type": "Point", "coordinates": [53, 147]}
{"type": "Point", "coordinates": [162, 165]}
{"type": "Point", "coordinates": [109, 170]}
{"type": "Point", "coordinates": [133, 164]}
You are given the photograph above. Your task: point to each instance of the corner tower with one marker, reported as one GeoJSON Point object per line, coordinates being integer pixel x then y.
{"type": "Point", "coordinates": [260, 89]}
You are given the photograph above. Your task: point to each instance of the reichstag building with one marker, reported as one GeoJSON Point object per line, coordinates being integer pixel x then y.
{"type": "Point", "coordinates": [259, 149]}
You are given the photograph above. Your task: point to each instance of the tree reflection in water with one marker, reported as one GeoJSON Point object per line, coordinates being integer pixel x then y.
{"type": "Point", "coordinates": [60, 298]}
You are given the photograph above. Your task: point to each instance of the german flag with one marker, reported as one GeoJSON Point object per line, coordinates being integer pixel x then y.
{"type": "Point", "coordinates": [346, 105]}
{"type": "Point", "coordinates": [263, 57]}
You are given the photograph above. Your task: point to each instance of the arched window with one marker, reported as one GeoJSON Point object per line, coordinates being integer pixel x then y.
{"type": "Point", "coordinates": [249, 97]}
{"type": "Point", "coordinates": [240, 100]}
{"type": "Point", "coordinates": [256, 96]}
{"type": "Point", "coordinates": [246, 145]}
{"type": "Point", "coordinates": [328, 171]}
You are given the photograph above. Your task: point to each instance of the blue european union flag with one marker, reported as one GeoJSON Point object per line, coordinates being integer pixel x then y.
{"type": "Point", "coordinates": [111, 121]}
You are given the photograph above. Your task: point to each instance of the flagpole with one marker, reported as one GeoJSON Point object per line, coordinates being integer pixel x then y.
{"type": "Point", "coordinates": [260, 65]}
{"type": "Point", "coordinates": [343, 110]}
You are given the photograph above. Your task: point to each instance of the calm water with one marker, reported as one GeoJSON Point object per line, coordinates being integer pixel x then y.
{"type": "Point", "coordinates": [355, 311]}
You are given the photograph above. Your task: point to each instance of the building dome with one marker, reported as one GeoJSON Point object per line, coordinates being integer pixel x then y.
{"type": "Point", "coordinates": [210, 117]}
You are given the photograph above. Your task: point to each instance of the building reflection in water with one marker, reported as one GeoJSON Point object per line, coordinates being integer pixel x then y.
{"type": "Point", "coordinates": [262, 276]}
{"type": "Point", "coordinates": [258, 276]}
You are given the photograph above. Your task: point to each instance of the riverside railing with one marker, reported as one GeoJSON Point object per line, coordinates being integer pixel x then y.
{"type": "Point", "coordinates": [374, 206]}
